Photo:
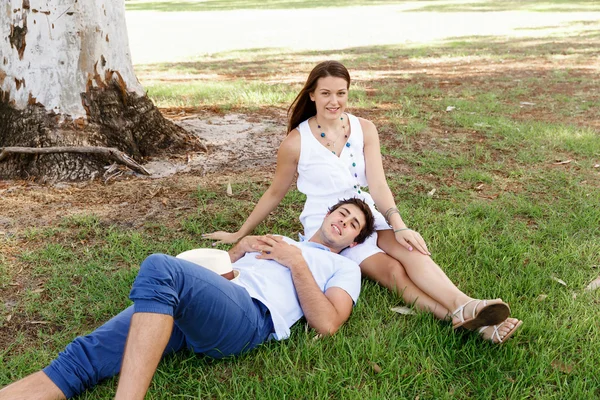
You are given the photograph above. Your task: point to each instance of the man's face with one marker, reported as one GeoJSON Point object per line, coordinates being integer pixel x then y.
{"type": "Point", "coordinates": [341, 226]}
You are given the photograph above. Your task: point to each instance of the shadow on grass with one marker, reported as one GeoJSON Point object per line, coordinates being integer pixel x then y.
{"type": "Point", "coordinates": [432, 5]}
{"type": "Point", "coordinates": [223, 5]}
{"type": "Point", "coordinates": [395, 60]}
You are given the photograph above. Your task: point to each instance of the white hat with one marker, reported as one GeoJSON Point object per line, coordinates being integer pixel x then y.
{"type": "Point", "coordinates": [215, 260]}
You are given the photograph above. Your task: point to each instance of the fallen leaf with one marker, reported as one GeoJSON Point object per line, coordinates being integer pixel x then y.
{"type": "Point", "coordinates": [479, 187]}
{"type": "Point", "coordinates": [9, 318]}
{"type": "Point", "coordinates": [574, 295]}
{"type": "Point", "coordinates": [38, 322]}
{"type": "Point", "coordinates": [450, 108]}
{"type": "Point", "coordinates": [431, 192]}
{"type": "Point", "coordinates": [595, 284]}
{"type": "Point", "coordinates": [562, 366]}
{"type": "Point", "coordinates": [542, 297]}
{"type": "Point", "coordinates": [563, 162]}
{"type": "Point", "coordinates": [403, 310]}
{"type": "Point", "coordinates": [37, 291]}
{"type": "Point", "coordinates": [597, 166]}
{"type": "Point", "coordinates": [559, 281]}
{"type": "Point", "coordinates": [376, 368]}
{"type": "Point", "coordinates": [229, 190]}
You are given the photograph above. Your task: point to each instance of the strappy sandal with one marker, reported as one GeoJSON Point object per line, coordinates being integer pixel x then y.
{"type": "Point", "coordinates": [495, 338]}
{"type": "Point", "coordinates": [489, 314]}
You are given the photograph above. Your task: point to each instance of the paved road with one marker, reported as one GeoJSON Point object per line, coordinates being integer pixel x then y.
{"type": "Point", "coordinates": [171, 36]}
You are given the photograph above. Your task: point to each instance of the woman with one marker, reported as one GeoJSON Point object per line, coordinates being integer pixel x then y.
{"type": "Point", "coordinates": [337, 155]}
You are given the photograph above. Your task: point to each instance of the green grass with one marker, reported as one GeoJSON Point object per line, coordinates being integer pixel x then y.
{"type": "Point", "coordinates": [505, 220]}
{"type": "Point", "coordinates": [510, 247]}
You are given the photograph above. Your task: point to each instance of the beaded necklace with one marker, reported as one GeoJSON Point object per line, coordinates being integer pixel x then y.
{"type": "Point", "coordinates": [353, 170]}
{"type": "Point", "coordinates": [331, 143]}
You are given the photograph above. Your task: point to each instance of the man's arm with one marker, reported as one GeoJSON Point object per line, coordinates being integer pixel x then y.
{"type": "Point", "coordinates": [324, 312]}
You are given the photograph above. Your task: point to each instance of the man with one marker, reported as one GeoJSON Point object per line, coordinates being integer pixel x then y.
{"type": "Point", "coordinates": [179, 305]}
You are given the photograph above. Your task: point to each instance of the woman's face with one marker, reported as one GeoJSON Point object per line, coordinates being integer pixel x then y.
{"type": "Point", "coordinates": [330, 97]}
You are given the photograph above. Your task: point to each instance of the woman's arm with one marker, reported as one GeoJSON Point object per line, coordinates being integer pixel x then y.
{"type": "Point", "coordinates": [287, 163]}
{"type": "Point", "coordinates": [380, 191]}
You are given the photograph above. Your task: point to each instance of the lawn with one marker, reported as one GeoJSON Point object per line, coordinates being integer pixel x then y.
{"type": "Point", "coordinates": [492, 148]}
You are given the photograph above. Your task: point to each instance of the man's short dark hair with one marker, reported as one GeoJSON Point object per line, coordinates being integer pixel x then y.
{"type": "Point", "coordinates": [369, 227]}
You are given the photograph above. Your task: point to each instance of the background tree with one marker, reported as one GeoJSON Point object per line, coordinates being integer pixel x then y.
{"type": "Point", "coordinates": [66, 80]}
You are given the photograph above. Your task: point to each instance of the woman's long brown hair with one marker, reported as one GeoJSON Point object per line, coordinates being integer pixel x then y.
{"type": "Point", "coordinates": [302, 108]}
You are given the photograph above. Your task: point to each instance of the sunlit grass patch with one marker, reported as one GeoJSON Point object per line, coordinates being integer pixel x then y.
{"type": "Point", "coordinates": [223, 5]}
{"type": "Point", "coordinates": [202, 93]}
{"type": "Point", "coordinates": [511, 5]}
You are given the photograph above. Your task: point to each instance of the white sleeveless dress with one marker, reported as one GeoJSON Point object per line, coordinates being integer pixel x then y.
{"type": "Point", "coordinates": [326, 178]}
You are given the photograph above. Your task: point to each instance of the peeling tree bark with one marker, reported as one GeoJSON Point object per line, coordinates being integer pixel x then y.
{"type": "Point", "coordinates": [66, 79]}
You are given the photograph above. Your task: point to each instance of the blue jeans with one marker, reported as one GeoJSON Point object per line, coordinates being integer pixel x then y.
{"type": "Point", "coordinates": [211, 315]}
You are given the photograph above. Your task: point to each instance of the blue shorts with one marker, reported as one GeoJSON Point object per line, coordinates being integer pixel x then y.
{"type": "Point", "coordinates": [213, 316]}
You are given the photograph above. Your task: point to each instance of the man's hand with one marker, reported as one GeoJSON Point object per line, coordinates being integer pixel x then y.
{"type": "Point", "coordinates": [246, 245]}
{"type": "Point", "coordinates": [275, 248]}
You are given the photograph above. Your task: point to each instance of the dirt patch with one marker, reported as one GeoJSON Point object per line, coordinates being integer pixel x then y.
{"type": "Point", "coordinates": [234, 143]}
{"type": "Point", "coordinates": [240, 147]}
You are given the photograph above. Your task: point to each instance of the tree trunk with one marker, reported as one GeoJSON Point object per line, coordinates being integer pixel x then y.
{"type": "Point", "coordinates": [66, 79]}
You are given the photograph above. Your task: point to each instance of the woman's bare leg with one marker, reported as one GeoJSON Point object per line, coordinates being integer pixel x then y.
{"type": "Point", "coordinates": [426, 275]}
{"type": "Point", "coordinates": [388, 272]}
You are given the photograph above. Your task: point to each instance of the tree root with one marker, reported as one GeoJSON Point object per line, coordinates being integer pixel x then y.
{"type": "Point", "coordinates": [107, 152]}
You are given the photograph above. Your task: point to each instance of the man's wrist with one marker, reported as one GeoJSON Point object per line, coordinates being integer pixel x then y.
{"type": "Point", "coordinates": [298, 265]}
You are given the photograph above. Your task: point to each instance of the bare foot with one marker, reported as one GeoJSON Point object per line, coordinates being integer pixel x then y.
{"type": "Point", "coordinates": [501, 332]}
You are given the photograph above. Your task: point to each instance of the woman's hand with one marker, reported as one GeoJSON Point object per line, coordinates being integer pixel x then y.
{"type": "Point", "coordinates": [222, 237]}
{"type": "Point", "coordinates": [411, 239]}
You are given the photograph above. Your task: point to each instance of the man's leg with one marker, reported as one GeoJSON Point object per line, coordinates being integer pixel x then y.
{"type": "Point", "coordinates": [84, 362]}
{"type": "Point", "coordinates": [212, 316]}
{"type": "Point", "coordinates": [148, 336]}
{"type": "Point", "coordinates": [217, 317]}
{"type": "Point", "coordinates": [36, 386]}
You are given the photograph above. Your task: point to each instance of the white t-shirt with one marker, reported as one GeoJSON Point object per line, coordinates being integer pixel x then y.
{"type": "Point", "coordinates": [271, 283]}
